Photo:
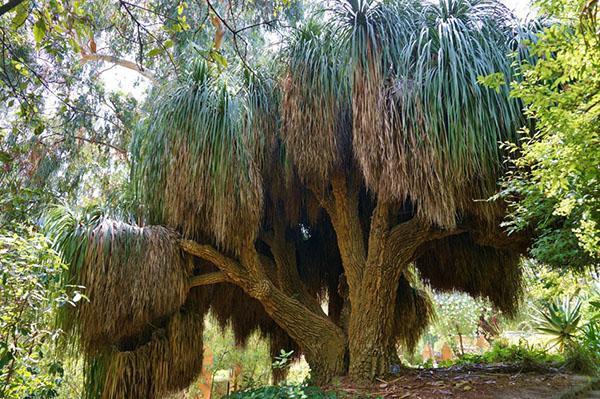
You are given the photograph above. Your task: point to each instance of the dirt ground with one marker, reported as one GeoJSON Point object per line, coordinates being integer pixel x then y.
{"type": "Point", "coordinates": [472, 382]}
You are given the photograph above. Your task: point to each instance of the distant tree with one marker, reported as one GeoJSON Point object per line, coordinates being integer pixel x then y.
{"type": "Point", "coordinates": [457, 317]}
{"type": "Point", "coordinates": [372, 147]}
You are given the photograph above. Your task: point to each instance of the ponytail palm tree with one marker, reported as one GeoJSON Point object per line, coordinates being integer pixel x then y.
{"type": "Point", "coordinates": [362, 165]}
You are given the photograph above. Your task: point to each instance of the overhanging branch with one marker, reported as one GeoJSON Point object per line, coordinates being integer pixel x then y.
{"type": "Point", "coordinates": [208, 278]}
{"type": "Point", "coordinates": [121, 62]}
{"type": "Point", "coordinates": [4, 8]}
{"type": "Point", "coordinates": [231, 267]}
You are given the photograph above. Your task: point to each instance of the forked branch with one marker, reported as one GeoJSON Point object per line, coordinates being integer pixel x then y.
{"type": "Point", "coordinates": [229, 266]}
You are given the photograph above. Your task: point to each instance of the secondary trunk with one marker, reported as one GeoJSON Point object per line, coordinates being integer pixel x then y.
{"type": "Point", "coordinates": [321, 340]}
{"type": "Point", "coordinates": [323, 343]}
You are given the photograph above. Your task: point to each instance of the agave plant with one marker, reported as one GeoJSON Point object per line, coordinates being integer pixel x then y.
{"type": "Point", "coordinates": [560, 321]}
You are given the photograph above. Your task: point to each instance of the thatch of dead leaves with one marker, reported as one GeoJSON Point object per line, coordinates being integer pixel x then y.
{"type": "Point", "coordinates": [457, 263]}
{"type": "Point", "coordinates": [232, 307]}
{"type": "Point", "coordinates": [131, 276]}
{"type": "Point", "coordinates": [315, 105]}
{"type": "Point", "coordinates": [169, 362]}
{"type": "Point", "coordinates": [413, 313]}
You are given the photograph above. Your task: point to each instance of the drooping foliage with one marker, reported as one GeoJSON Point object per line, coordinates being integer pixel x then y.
{"type": "Point", "coordinates": [196, 168]}
{"type": "Point", "coordinates": [315, 107]}
{"type": "Point", "coordinates": [413, 313]}
{"type": "Point", "coordinates": [168, 362]}
{"type": "Point", "coordinates": [139, 324]}
{"type": "Point", "coordinates": [422, 127]}
{"type": "Point", "coordinates": [459, 263]}
{"type": "Point", "coordinates": [142, 266]}
{"type": "Point", "coordinates": [139, 328]}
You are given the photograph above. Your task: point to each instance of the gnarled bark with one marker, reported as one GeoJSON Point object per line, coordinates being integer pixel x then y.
{"type": "Point", "coordinates": [372, 273]}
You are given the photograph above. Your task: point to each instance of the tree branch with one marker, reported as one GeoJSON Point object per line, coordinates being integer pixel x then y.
{"type": "Point", "coordinates": [121, 62]}
{"type": "Point", "coordinates": [346, 222]}
{"type": "Point", "coordinates": [9, 6]}
{"type": "Point", "coordinates": [102, 143]}
{"type": "Point", "coordinates": [235, 36]}
{"type": "Point", "coordinates": [234, 271]}
{"type": "Point", "coordinates": [208, 278]}
{"type": "Point", "coordinates": [219, 33]}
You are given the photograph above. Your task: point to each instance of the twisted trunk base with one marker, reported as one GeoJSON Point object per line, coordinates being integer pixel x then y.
{"type": "Point", "coordinates": [322, 341]}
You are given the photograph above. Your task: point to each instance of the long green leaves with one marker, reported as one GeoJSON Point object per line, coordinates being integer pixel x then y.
{"type": "Point", "coordinates": [315, 107]}
{"type": "Point", "coordinates": [560, 321]}
{"type": "Point", "coordinates": [451, 125]}
{"type": "Point", "coordinates": [195, 166]}
{"type": "Point", "coordinates": [392, 85]}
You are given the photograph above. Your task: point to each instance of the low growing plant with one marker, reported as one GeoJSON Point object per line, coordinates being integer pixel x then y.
{"type": "Point", "coordinates": [560, 321]}
{"type": "Point", "coordinates": [283, 392]}
{"type": "Point", "coordinates": [523, 353]}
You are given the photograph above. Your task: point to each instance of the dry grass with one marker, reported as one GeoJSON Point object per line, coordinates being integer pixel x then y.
{"type": "Point", "coordinates": [132, 276]}
{"type": "Point", "coordinates": [168, 363]}
{"type": "Point", "coordinates": [315, 107]}
{"type": "Point", "coordinates": [458, 263]}
{"type": "Point", "coordinates": [413, 313]}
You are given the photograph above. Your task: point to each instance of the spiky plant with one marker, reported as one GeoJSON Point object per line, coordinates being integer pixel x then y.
{"type": "Point", "coordinates": [559, 320]}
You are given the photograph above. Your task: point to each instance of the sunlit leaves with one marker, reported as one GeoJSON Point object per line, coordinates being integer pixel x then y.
{"type": "Point", "coordinates": [29, 294]}
{"type": "Point", "coordinates": [560, 321]}
{"type": "Point", "coordinates": [554, 185]}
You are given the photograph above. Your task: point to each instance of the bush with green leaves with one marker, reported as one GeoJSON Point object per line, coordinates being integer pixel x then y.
{"type": "Point", "coordinates": [284, 392]}
{"type": "Point", "coordinates": [29, 295]}
{"type": "Point", "coordinates": [552, 187]}
{"type": "Point", "coordinates": [253, 357]}
{"type": "Point", "coordinates": [529, 356]}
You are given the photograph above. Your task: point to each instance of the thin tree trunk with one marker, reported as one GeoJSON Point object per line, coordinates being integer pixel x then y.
{"type": "Point", "coordinates": [460, 341]}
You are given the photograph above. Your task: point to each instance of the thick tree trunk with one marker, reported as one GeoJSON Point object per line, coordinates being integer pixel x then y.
{"type": "Point", "coordinates": [373, 271]}
{"type": "Point", "coordinates": [323, 343]}
{"type": "Point", "coordinates": [370, 331]}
